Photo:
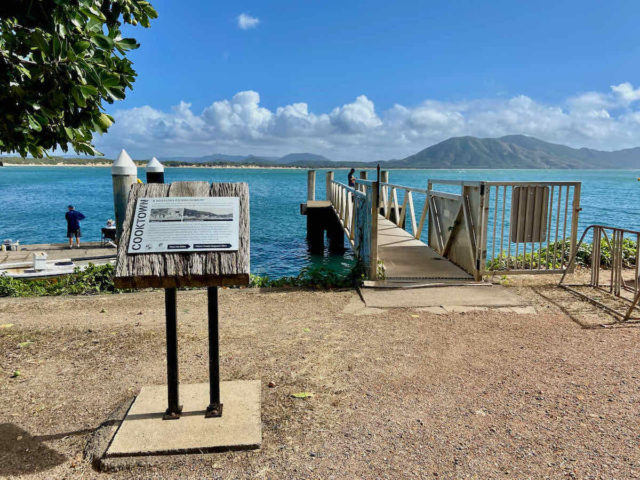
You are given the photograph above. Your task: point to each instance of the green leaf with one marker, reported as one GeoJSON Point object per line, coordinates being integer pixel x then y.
{"type": "Point", "coordinates": [88, 90]}
{"type": "Point", "coordinates": [33, 123]}
{"type": "Point", "coordinates": [103, 122]}
{"type": "Point", "coordinates": [111, 80]}
{"type": "Point", "coordinates": [40, 41]}
{"type": "Point", "coordinates": [78, 97]}
{"type": "Point", "coordinates": [115, 93]}
{"type": "Point", "coordinates": [302, 395]}
{"type": "Point", "coordinates": [102, 41]}
{"type": "Point", "coordinates": [81, 46]}
{"type": "Point", "coordinates": [24, 70]}
{"type": "Point", "coordinates": [127, 43]}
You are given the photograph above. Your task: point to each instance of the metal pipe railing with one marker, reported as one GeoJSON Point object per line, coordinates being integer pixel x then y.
{"type": "Point", "coordinates": [624, 260]}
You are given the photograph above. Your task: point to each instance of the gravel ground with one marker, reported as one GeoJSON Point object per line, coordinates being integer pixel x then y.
{"type": "Point", "coordinates": [398, 393]}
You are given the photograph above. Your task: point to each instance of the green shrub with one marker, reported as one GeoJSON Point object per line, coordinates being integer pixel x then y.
{"type": "Point", "coordinates": [553, 256]}
{"type": "Point", "coordinates": [312, 277]}
{"type": "Point", "coordinates": [92, 280]}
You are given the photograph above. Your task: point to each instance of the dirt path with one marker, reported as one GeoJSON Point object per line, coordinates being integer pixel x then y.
{"type": "Point", "coordinates": [397, 393]}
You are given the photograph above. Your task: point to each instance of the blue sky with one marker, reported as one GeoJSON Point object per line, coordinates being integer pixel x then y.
{"type": "Point", "coordinates": [379, 79]}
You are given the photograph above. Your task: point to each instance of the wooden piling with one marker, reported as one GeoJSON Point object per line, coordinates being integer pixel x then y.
{"type": "Point", "coordinates": [311, 185]}
{"type": "Point", "coordinates": [329, 181]}
{"type": "Point", "coordinates": [124, 174]}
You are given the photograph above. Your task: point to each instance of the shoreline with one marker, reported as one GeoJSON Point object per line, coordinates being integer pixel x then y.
{"type": "Point", "coordinates": [268, 167]}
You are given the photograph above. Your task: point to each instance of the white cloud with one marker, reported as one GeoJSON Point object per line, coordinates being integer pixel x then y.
{"type": "Point", "coordinates": [626, 93]}
{"type": "Point", "coordinates": [355, 131]}
{"type": "Point", "coordinates": [245, 21]}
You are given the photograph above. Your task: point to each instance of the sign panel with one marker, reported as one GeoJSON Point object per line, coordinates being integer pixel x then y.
{"type": "Point", "coordinates": [185, 224]}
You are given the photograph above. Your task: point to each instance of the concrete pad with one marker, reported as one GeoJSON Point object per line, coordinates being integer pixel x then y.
{"type": "Point", "coordinates": [474, 296]}
{"type": "Point", "coordinates": [463, 308]}
{"type": "Point", "coordinates": [144, 432]}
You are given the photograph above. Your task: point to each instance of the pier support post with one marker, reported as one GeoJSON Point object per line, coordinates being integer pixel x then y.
{"type": "Point", "coordinates": [335, 234]}
{"type": "Point", "coordinates": [328, 187]}
{"type": "Point", "coordinates": [363, 176]}
{"type": "Point", "coordinates": [124, 174]}
{"type": "Point", "coordinates": [155, 171]}
{"type": "Point", "coordinates": [311, 185]}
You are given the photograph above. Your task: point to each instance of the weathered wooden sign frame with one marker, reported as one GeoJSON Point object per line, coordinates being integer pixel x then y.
{"type": "Point", "coordinates": [186, 269]}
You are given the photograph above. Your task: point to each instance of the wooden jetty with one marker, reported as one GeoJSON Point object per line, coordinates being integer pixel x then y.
{"type": "Point", "coordinates": [511, 225]}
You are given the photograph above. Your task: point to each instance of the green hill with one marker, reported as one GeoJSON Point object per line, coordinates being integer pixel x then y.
{"type": "Point", "coordinates": [514, 151]}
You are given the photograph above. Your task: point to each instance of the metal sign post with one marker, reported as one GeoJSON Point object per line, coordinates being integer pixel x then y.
{"type": "Point", "coordinates": [174, 409]}
{"type": "Point", "coordinates": [215, 407]}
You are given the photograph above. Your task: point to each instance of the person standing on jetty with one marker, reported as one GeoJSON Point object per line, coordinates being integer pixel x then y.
{"type": "Point", "coordinates": [351, 179]}
{"type": "Point", "coordinates": [73, 225]}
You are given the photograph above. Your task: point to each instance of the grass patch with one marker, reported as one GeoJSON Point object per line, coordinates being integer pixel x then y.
{"type": "Point", "coordinates": [98, 279]}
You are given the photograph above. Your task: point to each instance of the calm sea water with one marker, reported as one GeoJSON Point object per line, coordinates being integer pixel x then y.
{"type": "Point", "coordinates": [33, 202]}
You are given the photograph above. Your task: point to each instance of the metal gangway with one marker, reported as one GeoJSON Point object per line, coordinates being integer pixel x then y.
{"type": "Point", "coordinates": [409, 234]}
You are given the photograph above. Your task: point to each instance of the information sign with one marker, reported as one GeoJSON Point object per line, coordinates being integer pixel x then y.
{"type": "Point", "coordinates": [185, 224]}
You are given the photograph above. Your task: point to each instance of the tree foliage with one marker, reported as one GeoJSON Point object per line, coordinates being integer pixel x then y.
{"type": "Point", "coordinates": [59, 60]}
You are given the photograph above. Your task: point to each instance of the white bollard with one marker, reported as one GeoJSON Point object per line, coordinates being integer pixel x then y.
{"type": "Point", "coordinates": [155, 171]}
{"type": "Point", "coordinates": [124, 174]}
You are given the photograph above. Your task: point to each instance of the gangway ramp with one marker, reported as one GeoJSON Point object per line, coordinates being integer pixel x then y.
{"type": "Point", "coordinates": [407, 259]}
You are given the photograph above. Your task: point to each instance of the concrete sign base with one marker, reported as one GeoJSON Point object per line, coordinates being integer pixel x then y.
{"type": "Point", "coordinates": [144, 432]}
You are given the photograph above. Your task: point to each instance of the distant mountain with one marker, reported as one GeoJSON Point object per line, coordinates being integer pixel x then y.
{"type": "Point", "coordinates": [218, 157]}
{"type": "Point", "coordinates": [511, 151]}
{"type": "Point", "coordinates": [294, 159]}
{"type": "Point", "coordinates": [514, 151]}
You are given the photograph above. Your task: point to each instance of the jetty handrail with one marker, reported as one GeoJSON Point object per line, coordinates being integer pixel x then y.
{"type": "Point", "coordinates": [357, 214]}
{"type": "Point", "coordinates": [389, 203]}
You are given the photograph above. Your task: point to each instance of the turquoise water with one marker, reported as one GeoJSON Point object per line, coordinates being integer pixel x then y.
{"type": "Point", "coordinates": [33, 201]}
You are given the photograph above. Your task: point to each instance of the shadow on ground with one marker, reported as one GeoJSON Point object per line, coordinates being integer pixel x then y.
{"type": "Point", "coordinates": [21, 453]}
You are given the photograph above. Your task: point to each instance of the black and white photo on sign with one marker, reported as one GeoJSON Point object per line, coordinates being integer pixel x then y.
{"type": "Point", "coordinates": [166, 215]}
{"type": "Point", "coordinates": [204, 214]}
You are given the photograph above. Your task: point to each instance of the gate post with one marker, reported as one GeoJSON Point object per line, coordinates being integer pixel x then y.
{"type": "Point", "coordinates": [373, 254]}
{"type": "Point", "coordinates": [574, 221]}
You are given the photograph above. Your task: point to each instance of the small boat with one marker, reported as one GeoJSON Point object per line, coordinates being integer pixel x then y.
{"type": "Point", "coordinates": [46, 269]}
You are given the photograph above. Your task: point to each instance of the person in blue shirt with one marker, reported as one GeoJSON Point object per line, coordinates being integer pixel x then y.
{"type": "Point", "coordinates": [73, 225]}
{"type": "Point", "coordinates": [351, 179]}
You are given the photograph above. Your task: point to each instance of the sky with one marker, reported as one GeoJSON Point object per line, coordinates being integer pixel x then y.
{"type": "Point", "coordinates": [376, 80]}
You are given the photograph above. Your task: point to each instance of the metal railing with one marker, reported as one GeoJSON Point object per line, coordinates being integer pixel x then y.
{"type": "Point", "coordinates": [623, 262]}
{"type": "Point", "coordinates": [531, 227]}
